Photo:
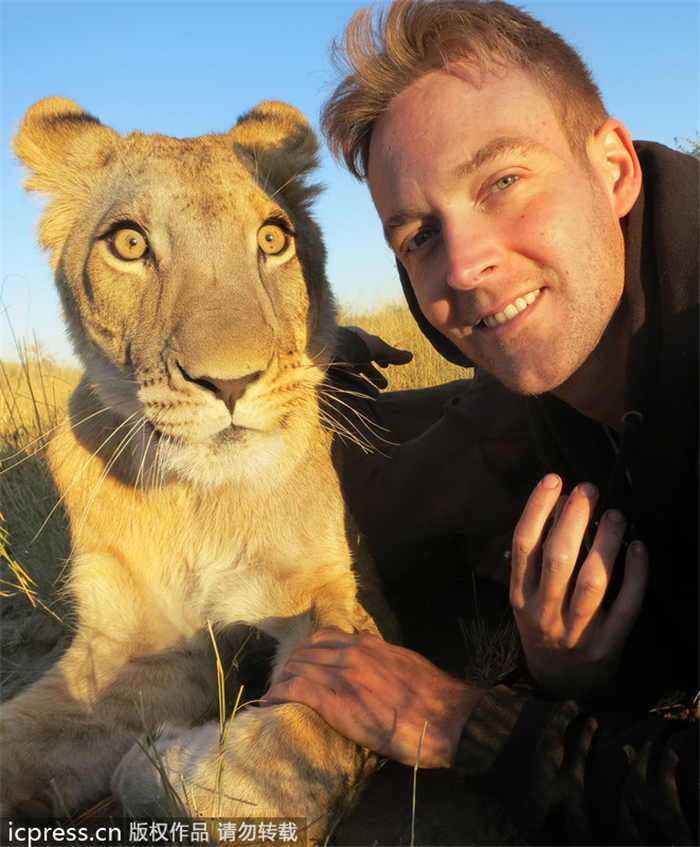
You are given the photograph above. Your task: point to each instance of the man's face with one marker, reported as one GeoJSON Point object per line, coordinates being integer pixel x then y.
{"type": "Point", "coordinates": [512, 244]}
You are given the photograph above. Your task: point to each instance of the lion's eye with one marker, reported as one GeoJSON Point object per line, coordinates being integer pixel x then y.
{"type": "Point", "coordinates": [272, 239]}
{"type": "Point", "coordinates": [129, 244]}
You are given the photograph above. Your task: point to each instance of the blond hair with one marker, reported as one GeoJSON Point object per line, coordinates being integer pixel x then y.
{"type": "Point", "coordinates": [414, 37]}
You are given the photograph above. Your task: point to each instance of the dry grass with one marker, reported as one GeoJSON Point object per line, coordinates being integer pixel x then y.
{"type": "Point", "coordinates": [34, 392]}
{"type": "Point", "coordinates": [395, 324]}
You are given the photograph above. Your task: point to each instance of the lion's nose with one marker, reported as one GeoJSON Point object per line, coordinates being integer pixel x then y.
{"type": "Point", "coordinates": [228, 390]}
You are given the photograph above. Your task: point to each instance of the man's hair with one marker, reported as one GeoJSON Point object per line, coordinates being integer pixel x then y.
{"type": "Point", "coordinates": [414, 37]}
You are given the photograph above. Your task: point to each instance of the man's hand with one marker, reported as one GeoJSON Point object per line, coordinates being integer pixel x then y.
{"type": "Point", "coordinates": [378, 695]}
{"type": "Point", "coordinates": [380, 352]}
{"type": "Point", "coordinates": [572, 643]}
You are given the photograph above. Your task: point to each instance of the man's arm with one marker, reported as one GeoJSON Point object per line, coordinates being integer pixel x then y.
{"type": "Point", "coordinates": [567, 773]}
{"type": "Point", "coordinates": [563, 768]}
{"type": "Point", "coordinates": [382, 696]}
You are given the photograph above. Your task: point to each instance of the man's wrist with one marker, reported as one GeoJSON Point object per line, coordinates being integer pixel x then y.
{"type": "Point", "coordinates": [469, 699]}
{"type": "Point", "coordinates": [490, 726]}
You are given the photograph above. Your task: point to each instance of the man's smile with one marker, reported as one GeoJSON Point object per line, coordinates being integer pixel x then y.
{"type": "Point", "coordinates": [510, 311]}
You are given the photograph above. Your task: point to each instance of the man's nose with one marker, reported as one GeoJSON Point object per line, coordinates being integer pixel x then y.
{"type": "Point", "coordinates": [473, 253]}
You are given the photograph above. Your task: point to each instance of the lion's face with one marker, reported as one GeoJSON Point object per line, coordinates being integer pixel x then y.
{"type": "Point", "coordinates": [191, 277]}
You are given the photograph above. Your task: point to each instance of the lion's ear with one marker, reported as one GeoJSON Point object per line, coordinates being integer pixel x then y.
{"type": "Point", "coordinates": [62, 146]}
{"type": "Point", "coordinates": [282, 146]}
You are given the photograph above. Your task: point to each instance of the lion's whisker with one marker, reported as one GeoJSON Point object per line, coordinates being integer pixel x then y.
{"type": "Point", "coordinates": [78, 475]}
{"type": "Point", "coordinates": [105, 472]}
{"type": "Point", "coordinates": [333, 401]}
{"type": "Point", "coordinates": [45, 436]}
{"type": "Point", "coordinates": [140, 475]}
{"type": "Point", "coordinates": [372, 425]}
{"type": "Point", "coordinates": [333, 426]}
{"type": "Point", "coordinates": [350, 427]}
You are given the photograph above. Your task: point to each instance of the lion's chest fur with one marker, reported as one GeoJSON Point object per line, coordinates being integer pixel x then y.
{"type": "Point", "coordinates": [165, 561]}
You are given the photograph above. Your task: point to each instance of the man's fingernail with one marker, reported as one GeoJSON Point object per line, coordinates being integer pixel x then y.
{"type": "Point", "coordinates": [615, 517]}
{"type": "Point", "coordinates": [637, 548]}
{"type": "Point", "coordinates": [550, 481]}
{"type": "Point", "coordinates": [588, 490]}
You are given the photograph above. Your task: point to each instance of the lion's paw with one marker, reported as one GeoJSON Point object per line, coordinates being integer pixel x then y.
{"type": "Point", "coordinates": [280, 761]}
{"type": "Point", "coordinates": [152, 778]}
{"type": "Point", "coordinates": [197, 772]}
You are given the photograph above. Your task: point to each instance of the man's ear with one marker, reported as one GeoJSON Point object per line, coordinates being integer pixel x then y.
{"type": "Point", "coordinates": [612, 153]}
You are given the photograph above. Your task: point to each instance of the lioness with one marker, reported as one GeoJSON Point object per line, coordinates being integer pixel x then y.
{"type": "Point", "coordinates": [195, 472]}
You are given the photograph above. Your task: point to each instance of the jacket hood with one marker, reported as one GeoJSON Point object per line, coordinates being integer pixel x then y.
{"type": "Point", "coordinates": [444, 347]}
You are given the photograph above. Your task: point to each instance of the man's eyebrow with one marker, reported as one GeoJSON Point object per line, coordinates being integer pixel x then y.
{"type": "Point", "coordinates": [497, 147]}
{"type": "Point", "coordinates": [398, 220]}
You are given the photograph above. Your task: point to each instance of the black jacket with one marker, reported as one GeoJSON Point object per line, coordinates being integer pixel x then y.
{"type": "Point", "coordinates": [620, 767]}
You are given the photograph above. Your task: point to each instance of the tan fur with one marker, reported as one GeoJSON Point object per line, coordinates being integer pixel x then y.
{"type": "Point", "coordinates": [195, 472]}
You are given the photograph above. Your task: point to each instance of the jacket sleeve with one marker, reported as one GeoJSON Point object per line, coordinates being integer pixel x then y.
{"type": "Point", "coordinates": [570, 775]}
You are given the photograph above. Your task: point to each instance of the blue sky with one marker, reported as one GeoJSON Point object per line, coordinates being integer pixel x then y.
{"type": "Point", "coordinates": [184, 68]}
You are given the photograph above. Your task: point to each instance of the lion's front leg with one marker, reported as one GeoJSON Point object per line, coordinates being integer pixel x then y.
{"type": "Point", "coordinates": [62, 738]}
{"type": "Point", "coordinates": [275, 761]}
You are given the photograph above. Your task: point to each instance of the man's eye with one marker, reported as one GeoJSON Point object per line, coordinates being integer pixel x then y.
{"type": "Point", "coordinates": [504, 182]}
{"type": "Point", "coordinates": [419, 239]}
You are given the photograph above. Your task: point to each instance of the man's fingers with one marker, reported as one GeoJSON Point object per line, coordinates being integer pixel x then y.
{"type": "Point", "coordinates": [330, 658]}
{"type": "Point", "coordinates": [561, 549]}
{"type": "Point", "coordinates": [356, 712]}
{"type": "Point", "coordinates": [626, 606]}
{"type": "Point", "coordinates": [561, 502]}
{"type": "Point", "coordinates": [527, 539]}
{"type": "Point", "coordinates": [316, 667]}
{"type": "Point", "coordinates": [380, 351]}
{"type": "Point", "coordinates": [329, 652]}
{"type": "Point", "coordinates": [594, 576]}
{"type": "Point", "coordinates": [298, 689]}
{"type": "Point", "coordinates": [373, 375]}
{"type": "Point", "coordinates": [385, 354]}
{"type": "Point", "coordinates": [398, 356]}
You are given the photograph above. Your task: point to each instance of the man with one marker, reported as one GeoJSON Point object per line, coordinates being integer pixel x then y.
{"type": "Point", "coordinates": [537, 242]}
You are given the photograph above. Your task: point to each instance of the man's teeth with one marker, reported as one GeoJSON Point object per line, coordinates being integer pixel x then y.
{"type": "Point", "coordinates": [512, 309]}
